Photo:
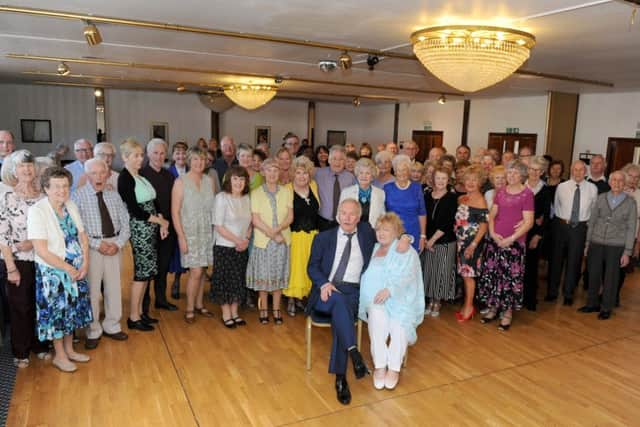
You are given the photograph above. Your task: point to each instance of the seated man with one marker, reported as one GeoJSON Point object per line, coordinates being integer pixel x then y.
{"type": "Point", "coordinates": [336, 286]}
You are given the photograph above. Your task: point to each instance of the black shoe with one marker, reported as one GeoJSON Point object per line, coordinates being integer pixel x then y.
{"type": "Point", "coordinates": [166, 306]}
{"type": "Point", "coordinates": [604, 315]}
{"type": "Point", "coordinates": [359, 367]}
{"type": "Point", "coordinates": [139, 325]}
{"type": "Point", "coordinates": [342, 390]}
{"type": "Point", "coordinates": [531, 306]}
{"type": "Point", "coordinates": [229, 323]}
{"type": "Point", "coordinates": [550, 298]}
{"type": "Point", "coordinates": [589, 309]}
{"type": "Point", "coordinates": [148, 319]}
{"type": "Point", "coordinates": [91, 343]}
{"type": "Point", "coordinates": [567, 301]}
{"type": "Point", "coordinates": [175, 291]}
{"type": "Point", "coordinates": [118, 336]}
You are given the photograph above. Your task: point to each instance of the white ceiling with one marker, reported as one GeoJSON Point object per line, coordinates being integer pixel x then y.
{"type": "Point", "coordinates": [588, 40]}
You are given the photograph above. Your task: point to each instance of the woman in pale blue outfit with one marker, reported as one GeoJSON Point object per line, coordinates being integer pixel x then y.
{"type": "Point", "coordinates": [391, 301]}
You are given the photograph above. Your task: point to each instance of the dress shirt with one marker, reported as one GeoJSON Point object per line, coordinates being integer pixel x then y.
{"type": "Point", "coordinates": [564, 199]}
{"type": "Point", "coordinates": [356, 261]}
{"type": "Point", "coordinates": [87, 202]}
{"type": "Point", "coordinates": [77, 170]}
{"type": "Point", "coordinates": [325, 178]}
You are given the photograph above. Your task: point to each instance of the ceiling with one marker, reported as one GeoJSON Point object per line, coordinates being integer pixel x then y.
{"type": "Point", "coordinates": [587, 41]}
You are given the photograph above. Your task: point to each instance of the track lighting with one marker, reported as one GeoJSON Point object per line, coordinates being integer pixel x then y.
{"type": "Point", "coordinates": [345, 60]}
{"type": "Point", "coordinates": [92, 34]}
{"type": "Point", "coordinates": [356, 101]}
{"type": "Point", "coordinates": [372, 61]}
{"type": "Point", "coordinates": [63, 69]}
{"type": "Point", "coordinates": [442, 99]}
{"type": "Point", "coordinates": [327, 65]}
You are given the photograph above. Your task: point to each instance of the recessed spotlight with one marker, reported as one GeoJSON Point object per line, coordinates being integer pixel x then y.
{"type": "Point", "coordinates": [98, 93]}
{"type": "Point", "coordinates": [442, 100]}
{"type": "Point", "coordinates": [278, 79]}
{"type": "Point", "coordinates": [92, 35]}
{"type": "Point", "coordinates": [63, 69]}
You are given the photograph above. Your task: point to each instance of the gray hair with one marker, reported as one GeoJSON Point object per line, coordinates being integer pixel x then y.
{"type": "Point", "coordinates": [100, 147]}
{"type": "Point", "coordinates": [243, 147]}
{"type": "Point", "coordinates": [521, 168]}
{"type": "Point", "coordinates": [366, 163]}
{"type": "Point", "coordinates": [10, 164]}
{"type": "Point", "coordinates": [301, 162]}
{"type": "Point", "coordinates": [80, 141]}
{"type": "Point", "coordinates": [400, 160]}
{"type": "Point", "coordinates": [629, 167]}
{"type": "Point", "coordinates": [151, 145]}
{"type": "Point", "coordinates": [336, 149]}
{"type": "Point", "coordinates": [540, 162]}
{"type": "Point", "coordinates": [95, 161]}
{"type": "Point", "coordinates": [349, 200]}
{"type": "Point", "coordinates": [383, 156]}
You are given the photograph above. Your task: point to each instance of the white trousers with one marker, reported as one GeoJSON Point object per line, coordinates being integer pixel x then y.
{"type": "Point", "coordinates": [381, 327]}
{"type": "Point", "coordinates": [105, 269]}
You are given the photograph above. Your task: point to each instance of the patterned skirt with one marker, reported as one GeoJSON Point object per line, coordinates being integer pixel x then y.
{"type": "Point", "coordinates": [268, 268]}
{"type": "Point", "coordinates": [144, 237]}
{"type": "Point", "coordinates": [440, 272]}
{"type": "Point", "coordinates": [501, 284]}
{"type": "Point", "coordinates": [228, 284]}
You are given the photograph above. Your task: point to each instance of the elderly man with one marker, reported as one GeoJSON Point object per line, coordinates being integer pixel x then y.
{"type": "Point", "coordinates": [6, 144]}
{"type": "Point", "coordinates": [610, 239]}
{"type": "Point", "coordinates": [228, 158]}
{"type": "Point", "coordinates": [83, 151]}
{"type": "Point", "coordinates": [411, 149]}
{"type": "Point", "coordinates": [162, 181]}
{"type": "Point", "coordinates": [106, 222]}
{"type": "Point", "coordinates": [106, 152]}
{"type": "Point", "coordinates": [463, 152]}
{"type": "Point", "coordinates": [597, 165]}
{"type": "Point", "coordinates": [292, 143]}
{"type": "Point", "coordinates": [572, 206]}
{"type": "Point", "coordinates": [435, 154]}
{"type": "Point", "coordinates": [508, 157]}
{"type": "Point", "coordinates": [331, 181]}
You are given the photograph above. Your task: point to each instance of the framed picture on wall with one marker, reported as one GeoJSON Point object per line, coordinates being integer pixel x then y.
{"type": "Point", "coordinates": [336, 137]}
{"type": "Point", "coordinates": [263, 134]}
{"type": "Point", "coordinates": [35, 130]}
{"type": "Point", "coordinates": [160, 130]}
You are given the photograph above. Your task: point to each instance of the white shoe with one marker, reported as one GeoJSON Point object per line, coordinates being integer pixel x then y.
{"type": "Point", "coordinates": [65, 366]}
{"type": "Point", "coordinates": [79, 357]}
{"type": "Point", "coordinates": [378, 378]}
{"type": "Point", "coordinates": [435, 311]}
{"type": "Point", "coordinates": [391, 379]}
{"type": "Point", "coordinates": [427, 311]}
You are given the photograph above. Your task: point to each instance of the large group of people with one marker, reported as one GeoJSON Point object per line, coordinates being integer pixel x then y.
{"type": "Point", "coordinates": [339, 233]}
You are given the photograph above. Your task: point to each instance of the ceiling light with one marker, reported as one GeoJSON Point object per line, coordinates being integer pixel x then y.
{"type": "Point", "coordinates": [278, 79]}
{"type": "Point", "coordinates": [181, 88]}
{"type": "Point", "coordinates": [442, 99]}
{"type": "Point", "coordinates": [63, 69]}
{"type": "Point", "coordinates": [250, 97]}
{"type": "Point", "coordinates": [372, 61]}
{"type": "Point", "coordinates": [345, 60]}
{"type": "Point", "coordinates": [97, 93]}
{"type": "Point", "coordinates": [356, 101]}
{"type": "Point", "coordinates": [327, 65]}
{"type": "Point", "coordinates": [92, 35]}
{"type": "Point", "coordinates": [470, 58]}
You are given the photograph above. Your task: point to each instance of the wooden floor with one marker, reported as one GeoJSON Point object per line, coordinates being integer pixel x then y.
{"type": "Point", "coordinates": [555, 367]}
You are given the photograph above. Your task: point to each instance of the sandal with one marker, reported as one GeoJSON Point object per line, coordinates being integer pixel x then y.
{"type": "Point", "coordinates": [21, 363]}
{"type": "Point", "coordinates": [239, 321]}
{"type": "Point", "coordinates": [505, 323]}
{"type": "Point", "coordinates": [263, 313]}
{"type": "Point", "coordinates": [229, 323]}
{"type": "Point", "coordinates": [489, 317]}
{"type": "Point", "coordinates": [277, 317]}
{"type": "Point", "coordinates": [189, 317]}
{"type": "Point", "coordinates": [291, 307]}
{"type": "Point", "coordinates": [203, 312]}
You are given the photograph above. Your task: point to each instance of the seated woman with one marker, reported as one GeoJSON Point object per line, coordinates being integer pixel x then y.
{"type": "Point", "coordinates": [391, 300]}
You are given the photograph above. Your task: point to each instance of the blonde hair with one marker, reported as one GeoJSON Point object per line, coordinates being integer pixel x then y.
{"type": "Point", "coordinates": [477, 171]}
{"type": "Point", "coordinates": [128, 146]}
{"type": "Point", "coordinates": [392, 219]}
{"type": "Point", "coordinates": [301, 162]}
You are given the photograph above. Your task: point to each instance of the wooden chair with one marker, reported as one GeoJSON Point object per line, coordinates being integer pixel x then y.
{"type": "Point", "coordinates": [319, 321]}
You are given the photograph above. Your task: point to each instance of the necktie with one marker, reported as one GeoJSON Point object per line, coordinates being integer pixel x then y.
{"type": "Point", "coordinates": [575, 208]}
{"type": "Point", "coordinates": [105, 217]}
{"type": "Point", "coordinates": [344, 260]}
{"type": "Point", "coordinates": [336, 197]}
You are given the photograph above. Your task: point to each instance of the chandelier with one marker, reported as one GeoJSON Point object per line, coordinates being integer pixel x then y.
{"type": "Point", "coordinates": [250, 97]}
{"type": "Point", "coordinates": [470, 58]}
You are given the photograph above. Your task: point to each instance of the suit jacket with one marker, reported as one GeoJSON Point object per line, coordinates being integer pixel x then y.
{"type": "Point", "coordinates": [376, 206]}
{"type": "Point", "coordinates": [323, 252]}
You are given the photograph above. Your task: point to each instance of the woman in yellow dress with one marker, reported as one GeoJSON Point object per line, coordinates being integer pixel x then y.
{"type": "Point", "coordinates": [303, 229]}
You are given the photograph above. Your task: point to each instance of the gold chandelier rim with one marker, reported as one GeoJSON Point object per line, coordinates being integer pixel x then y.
{"type": "Point", "coordinates": [466, 31]}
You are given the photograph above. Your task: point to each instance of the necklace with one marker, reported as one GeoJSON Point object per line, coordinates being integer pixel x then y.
{"type": "Point", "coordinates": [304, 197]}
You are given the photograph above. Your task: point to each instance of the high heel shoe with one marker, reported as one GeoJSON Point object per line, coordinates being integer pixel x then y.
{"type": "Point", "coordinates": [505, 326]}
{"type": "Point", "coordinates": [489, 317]}
{"type": "Point", "coordinates": [277, 317]}
{"type": "Point", "coordinates": [461, 318]}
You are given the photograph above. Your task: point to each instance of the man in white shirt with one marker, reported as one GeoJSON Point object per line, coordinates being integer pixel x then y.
{"type": "Point", "coordinates": [83, 150]}
{"type": "Point", "coordinates": [573, 203]}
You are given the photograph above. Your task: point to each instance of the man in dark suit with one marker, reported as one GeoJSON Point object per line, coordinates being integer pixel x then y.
{"type": "Point", "coordinates": [338, 258]}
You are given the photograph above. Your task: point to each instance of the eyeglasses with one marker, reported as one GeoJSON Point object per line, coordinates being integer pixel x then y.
{"type": "Point", "coordinates": [105, 155]}
{"type": "Point", "coordinates": [83, 150]}
{"type": "Point", "coordinates": [535, 169]}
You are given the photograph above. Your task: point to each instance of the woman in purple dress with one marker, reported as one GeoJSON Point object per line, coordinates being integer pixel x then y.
{"type": "Point", "coordinates": [501, 284]}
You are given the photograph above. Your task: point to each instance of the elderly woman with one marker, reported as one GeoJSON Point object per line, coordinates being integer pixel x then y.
{"type": "Point", "coordinates": [139, 196]}
{"type": "Point", "coordinates": [383, 163]}
{"type": "Point", "coordinates": [391, 301]}
{"type": "Point", "coordinates": [17, 252]}
{"type": "Point", "coordinates": [427, 178]}
{"type": "Point", "coordinates": [284, 158]}
{"type": "Point", "coordinates": [244, 154]}
{"type": "Point", "coordinates": [501, 285]}
{"type": "Point", "coordinates": [498, 179]}
{"type": "Point", "coordinates": [440, 248]}
{"type": "Point", "coordinates": [192, 203]}
{"type": "Point", "coordinates": [470, 227]}
{"type": "Point", "coordinates": [371, 198]}
{"type": "Point", "coordinates": [61, 250]}
{"type": "Point", "coordinates": [268, 268]}
{"type": "Point", "coordinates": [178, 168]}
{"type": "Point", "coordinates": [232, 235]}
{"type": "Point", "coordinates": [459, 186]}
{"type": "Point", "coordinates": [407, 200]}
{"type": "Point", "coordinates": [304, 227]}
{"type": "Point", "coordinates": [541, 204]}
{"type": "Point", "coordinates": [417, 172]}
{"type": "Point", "coordinates": [610, 242]}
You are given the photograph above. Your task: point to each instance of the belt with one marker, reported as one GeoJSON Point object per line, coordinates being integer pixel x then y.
{"type": "Point", "coordinates": [106, 236]}
{"type": "Point", "coordinates": [347, 284]}
{"type": "Point", "coordinates": [565, 221]}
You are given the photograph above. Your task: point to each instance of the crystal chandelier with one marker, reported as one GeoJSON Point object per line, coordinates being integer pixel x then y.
{"type": "Point", "coordinates": [250, 97]}
{"type": "Point", "coordinates": [470, 58]}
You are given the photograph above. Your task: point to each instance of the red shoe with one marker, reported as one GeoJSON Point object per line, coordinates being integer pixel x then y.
{"type": "Point", "coordinates": [462, 319]}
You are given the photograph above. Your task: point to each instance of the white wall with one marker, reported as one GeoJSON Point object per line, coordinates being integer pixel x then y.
{"type": "Point", "coordinates": [71, 110]}
{"type": "Point", "coordinates": [529, 114]}
{"type": "Point", "coordinates": [372, 123]}
{"type": "Point", "coordinates": [445, 117]}
{"type": "Point", "coordinates": [601, 115]}
{"type": "Point", "coordinates": [130, 113]}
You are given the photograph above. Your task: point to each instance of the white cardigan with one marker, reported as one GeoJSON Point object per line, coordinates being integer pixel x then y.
{"type": "Point", "coordinates": [42, 224]}
{"type": "Point", "coordinates": [376, 206]}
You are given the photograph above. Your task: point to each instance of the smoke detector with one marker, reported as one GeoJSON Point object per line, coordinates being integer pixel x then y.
{"type": "Point", "coordinates": [327, 65]}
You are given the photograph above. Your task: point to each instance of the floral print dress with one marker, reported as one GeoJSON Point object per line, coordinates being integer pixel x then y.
{"type": "Point", "coordinates": [468, 220]}
{"type": "Point", "coordinates": [62, 305]}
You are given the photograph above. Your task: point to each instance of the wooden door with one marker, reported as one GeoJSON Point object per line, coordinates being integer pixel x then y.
{"type": "Point", "coordinates": [426, 140]}
{"type": "Point", "coordinates": [621, 151]}
{"type": "Point", "coordinates": [512, 141]}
